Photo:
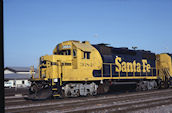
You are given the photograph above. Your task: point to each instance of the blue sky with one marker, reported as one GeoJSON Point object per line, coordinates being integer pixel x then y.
{"type": "Point", "coordinates": [32, 28]}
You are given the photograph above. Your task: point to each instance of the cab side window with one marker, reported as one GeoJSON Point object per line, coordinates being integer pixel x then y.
{"type": "Point", "coordinates": [86, 55]}
{"type": "Point", "coordinates": [68, 52]}
{"type": "Point", "coordinates": [74, 52]}
{"type": "Point", "coordinates": [65, 52]}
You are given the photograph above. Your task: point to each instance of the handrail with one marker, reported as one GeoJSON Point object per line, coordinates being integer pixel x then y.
{"type": "Point", "coordinates": [119, 75]}
{"type": "Point", "coordinates": [31, 71]}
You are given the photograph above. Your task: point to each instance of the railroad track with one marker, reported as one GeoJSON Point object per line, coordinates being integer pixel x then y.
{"type": "Point", "coordinates": [14, 100]}
{"type": "Point", "coordinates": [104, 103]}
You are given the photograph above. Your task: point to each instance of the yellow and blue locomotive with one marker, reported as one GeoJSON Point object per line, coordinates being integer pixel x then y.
{"type": "Point", "coordinates": [80, 69]}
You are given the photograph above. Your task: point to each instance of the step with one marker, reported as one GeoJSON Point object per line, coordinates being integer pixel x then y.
{"type": "Point", "coordinates": [54, 89]}
{"type": "Point", "coordinates": [56, 95]}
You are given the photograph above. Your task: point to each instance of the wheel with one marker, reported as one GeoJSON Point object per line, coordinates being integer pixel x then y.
{"type": "Point", "coordinates": [142, 86]}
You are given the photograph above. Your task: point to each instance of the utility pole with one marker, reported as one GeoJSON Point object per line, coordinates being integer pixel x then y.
{"type": "Point", "coordinates": [134, 47]}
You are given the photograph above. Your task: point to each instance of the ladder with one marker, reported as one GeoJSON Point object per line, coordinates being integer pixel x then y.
{"type": "Point", "coordinates": [55, 90]}
{"type": "Point", "coordinates": [166, 72]}
{"type": "Point", "coordinates": [166, 78]}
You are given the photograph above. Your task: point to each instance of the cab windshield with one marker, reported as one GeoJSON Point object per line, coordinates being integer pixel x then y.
{"type": "Point", "coordinates": [65, 52]}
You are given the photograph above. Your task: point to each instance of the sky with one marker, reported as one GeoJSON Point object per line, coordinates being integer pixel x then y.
{"type": "Point", "coordinates": [32, 28]}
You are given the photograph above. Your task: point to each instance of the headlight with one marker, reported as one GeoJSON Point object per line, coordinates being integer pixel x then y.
{"type": "Point", "coordinates": [55, 80]}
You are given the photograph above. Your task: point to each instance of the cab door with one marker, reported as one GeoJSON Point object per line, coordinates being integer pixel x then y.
{"type": "Point", "coordinates": [74, 60]}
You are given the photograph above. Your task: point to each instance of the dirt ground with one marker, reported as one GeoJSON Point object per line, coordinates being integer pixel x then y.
{"type": "Point", "coordinates": [158, 109]}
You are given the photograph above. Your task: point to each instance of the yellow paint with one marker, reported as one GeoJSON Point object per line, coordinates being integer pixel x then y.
{"type": "Point", "coordinates": [163, 62]}
{"type": "Point", "coordinates": [72, 67]}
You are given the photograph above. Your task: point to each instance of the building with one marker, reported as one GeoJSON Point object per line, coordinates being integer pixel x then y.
{"type": "Point", "coordinates": [17, 77]}
{"type": "Point", "coordinates": [17, 70]}
{"type": "Point", "coordinates": [17, 80]}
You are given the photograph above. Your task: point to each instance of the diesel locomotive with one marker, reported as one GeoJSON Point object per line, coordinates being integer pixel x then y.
{"type": "Point", "coordinates": [79, 69]}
